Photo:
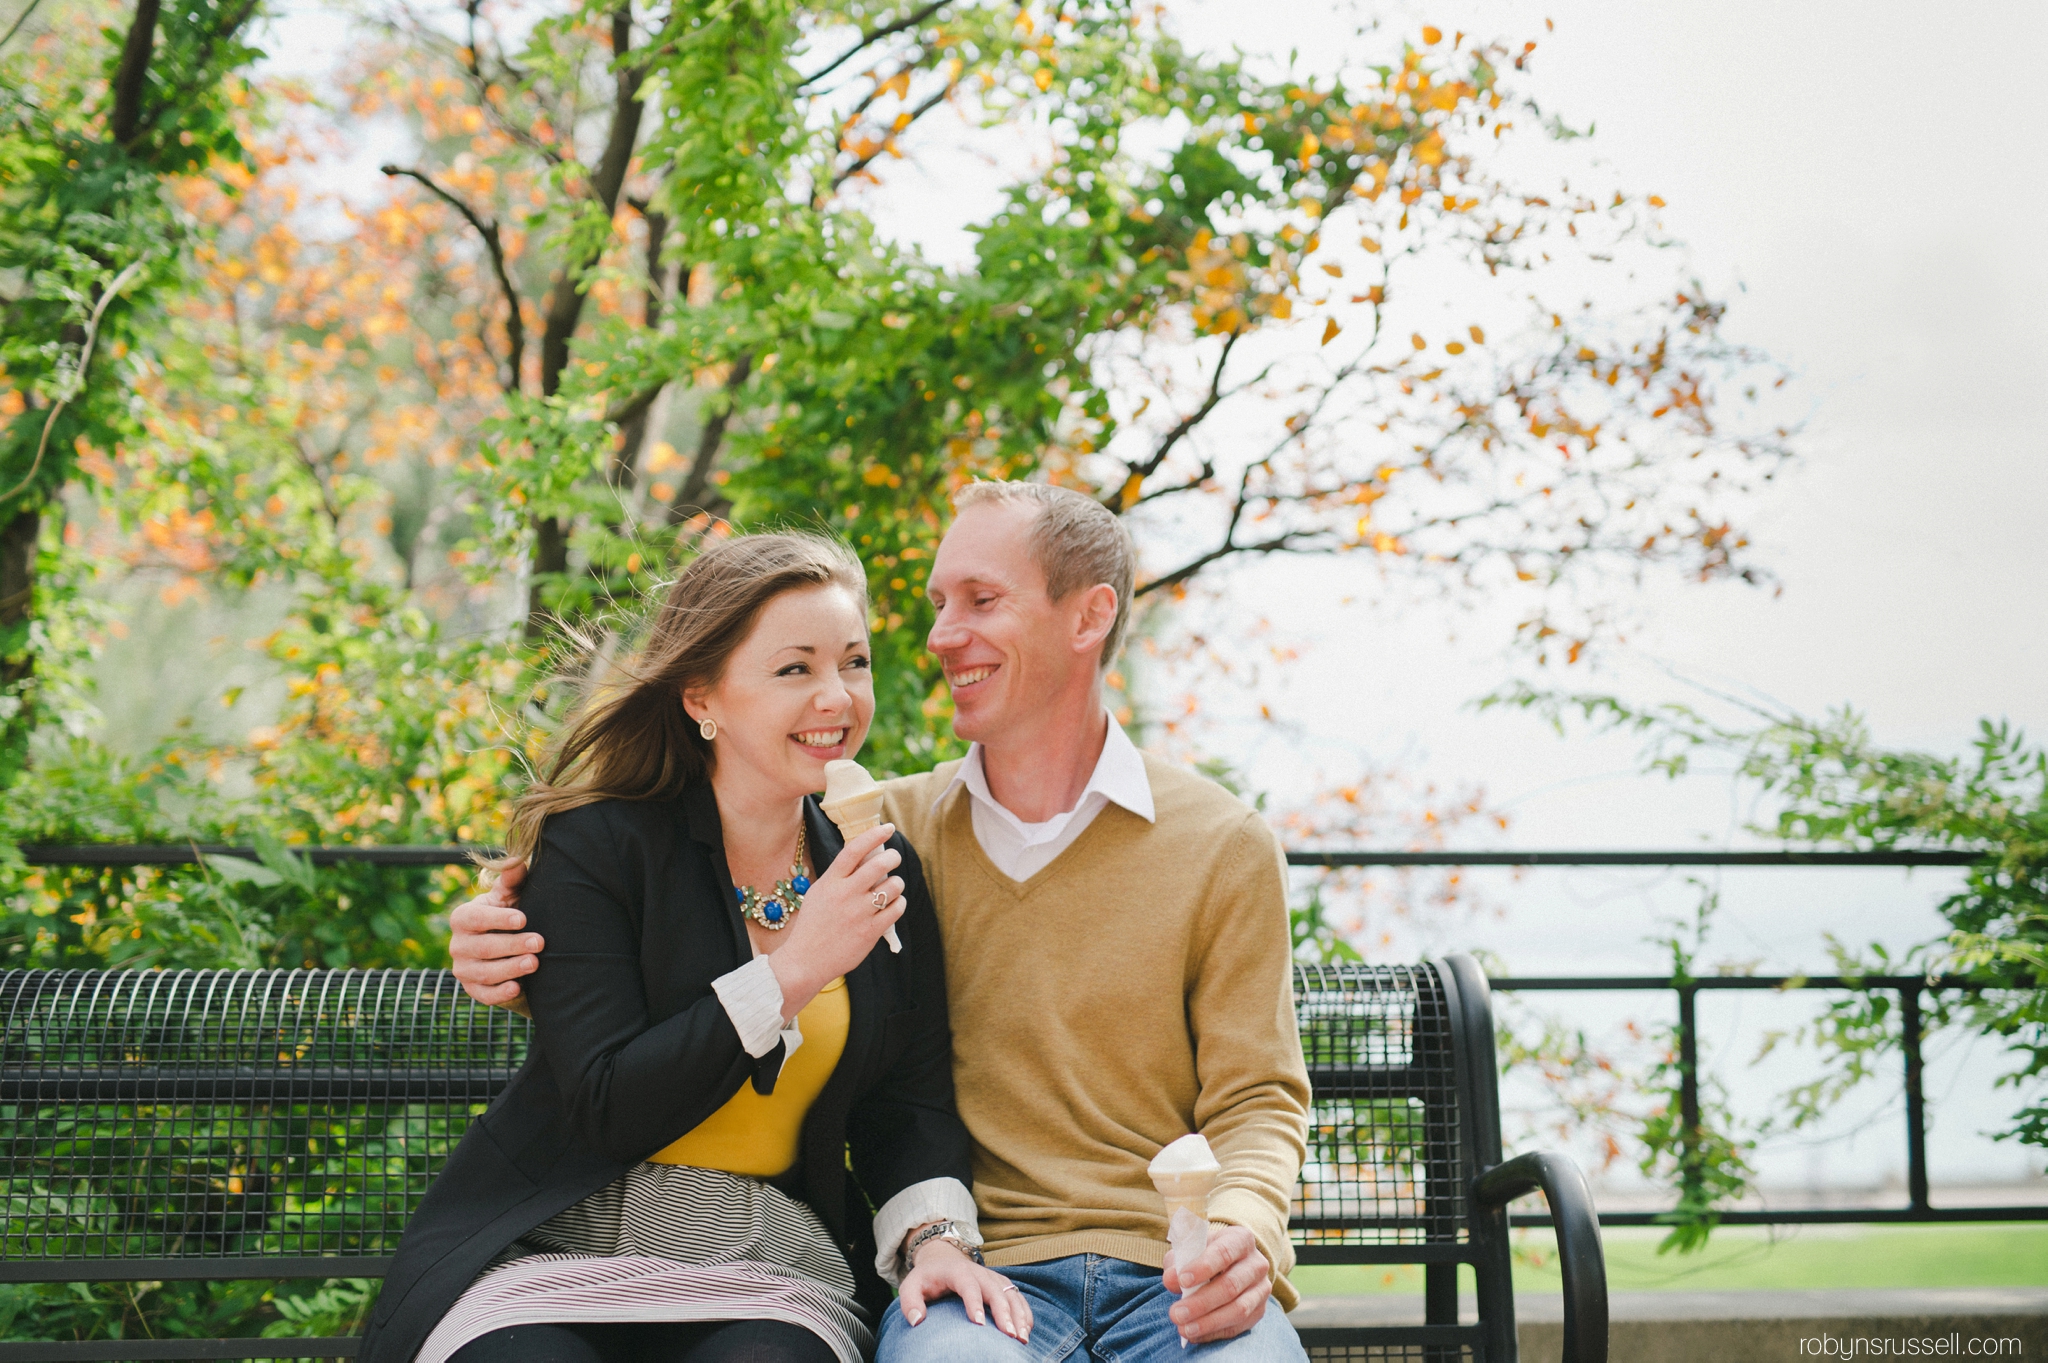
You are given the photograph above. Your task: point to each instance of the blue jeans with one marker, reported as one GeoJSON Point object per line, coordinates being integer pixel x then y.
{"type": "Point", "coordinates": [1083, 1307]}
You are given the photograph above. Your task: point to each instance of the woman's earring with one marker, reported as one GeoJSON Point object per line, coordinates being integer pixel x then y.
{"type": "Point", "coordinates": [709, 728]}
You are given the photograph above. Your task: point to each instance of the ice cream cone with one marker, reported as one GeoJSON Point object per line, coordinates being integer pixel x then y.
{"type": "Point", "coordinates": [1185, 1173]}
{"type": "Point", "coordinates": [853, 802]}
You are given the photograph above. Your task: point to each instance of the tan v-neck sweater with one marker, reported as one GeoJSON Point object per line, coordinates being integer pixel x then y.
{"type": "Point", "coordinates": [1134, 990]}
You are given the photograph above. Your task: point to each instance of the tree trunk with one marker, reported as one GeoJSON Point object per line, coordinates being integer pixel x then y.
{"type": "Point", "coordinates": [550, 558]}
{"type": "Point", "coordinates": [17, 664]}
{"type": "Point", "coordinates": [564, 307]}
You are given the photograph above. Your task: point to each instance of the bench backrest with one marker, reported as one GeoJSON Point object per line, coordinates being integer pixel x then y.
{"type": "Point", "coordinates": [226, 1124]}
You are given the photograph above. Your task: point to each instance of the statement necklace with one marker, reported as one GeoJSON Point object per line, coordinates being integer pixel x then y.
{"type": "Point", "coordinates": [775, 909]}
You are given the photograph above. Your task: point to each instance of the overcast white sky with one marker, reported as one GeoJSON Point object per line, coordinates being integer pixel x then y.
{"type": "Point", "coordinates": [1873, 184]}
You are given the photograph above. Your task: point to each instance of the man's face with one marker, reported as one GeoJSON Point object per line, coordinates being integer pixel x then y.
{"type": "Point", "coordinates": [1004, 644]}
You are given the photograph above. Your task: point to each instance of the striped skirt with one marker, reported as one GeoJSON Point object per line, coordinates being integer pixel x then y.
{"type": "Point", "coordinates": [668, 1242]}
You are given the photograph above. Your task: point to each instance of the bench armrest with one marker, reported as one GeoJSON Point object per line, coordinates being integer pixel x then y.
{"type": "Point", "coordinates": [1578, 1242]}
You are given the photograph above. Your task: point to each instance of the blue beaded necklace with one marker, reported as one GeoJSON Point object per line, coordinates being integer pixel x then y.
{"type": "Point", "coordinates": [777, 908]}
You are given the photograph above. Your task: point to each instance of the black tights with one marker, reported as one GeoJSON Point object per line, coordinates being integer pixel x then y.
{"type": "Point", "coordinates": [709, 1341]}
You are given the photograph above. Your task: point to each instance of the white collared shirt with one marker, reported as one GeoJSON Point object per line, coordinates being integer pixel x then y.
{"type": "Point", "coordinates": [1021, 850]}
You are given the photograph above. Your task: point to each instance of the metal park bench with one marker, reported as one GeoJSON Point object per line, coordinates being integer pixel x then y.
{"type": "Point", "coordinates": [250, 1125]}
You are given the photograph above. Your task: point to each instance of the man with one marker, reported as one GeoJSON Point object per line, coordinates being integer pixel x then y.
{"type": "Point", "coordinates": [1117, 963]}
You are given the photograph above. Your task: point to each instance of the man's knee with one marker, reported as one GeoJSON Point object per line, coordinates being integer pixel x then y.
{"type": "Point", "coordinates": [945, 1335]}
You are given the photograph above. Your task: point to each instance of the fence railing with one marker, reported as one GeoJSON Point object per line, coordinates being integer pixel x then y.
{"type": "Point", "coordinates": [1911, 989]}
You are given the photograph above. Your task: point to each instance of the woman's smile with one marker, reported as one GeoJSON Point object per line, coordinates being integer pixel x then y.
{"type": "Point", "coordinates": [824, 744]}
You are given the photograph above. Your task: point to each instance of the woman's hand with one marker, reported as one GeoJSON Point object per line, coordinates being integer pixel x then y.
{"type": "Point", "coordinates": [942, 1270]}
{"type": "Point", "coordinates": [487, 950]}
{"type": "Point", "coordinates": [844, 914]}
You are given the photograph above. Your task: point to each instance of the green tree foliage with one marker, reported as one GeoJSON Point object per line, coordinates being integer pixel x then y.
{"type": "Point", "coordinates": [89, 246]}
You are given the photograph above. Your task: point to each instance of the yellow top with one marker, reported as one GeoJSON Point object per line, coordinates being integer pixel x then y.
{"type": "Point", "coordinates": [759, 1136]}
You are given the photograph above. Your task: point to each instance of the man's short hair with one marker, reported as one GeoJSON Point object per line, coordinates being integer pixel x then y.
{"type": "Point", "coordinates": [1078, 542]}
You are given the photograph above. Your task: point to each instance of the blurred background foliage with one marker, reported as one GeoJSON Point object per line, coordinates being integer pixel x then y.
{"type": "Point", "coordinates": [622, 287]}
{"type": "Point", "coordinates": [320, 501]}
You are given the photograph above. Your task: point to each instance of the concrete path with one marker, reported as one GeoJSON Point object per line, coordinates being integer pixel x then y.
{"type": "Point", "coordinates": [1710, 1327]}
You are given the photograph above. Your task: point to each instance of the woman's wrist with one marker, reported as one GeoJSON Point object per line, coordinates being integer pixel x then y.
{"type": "Point", "coordinates": [925, 1253]}
{"type": "Point", "coordinates": [796, 977]}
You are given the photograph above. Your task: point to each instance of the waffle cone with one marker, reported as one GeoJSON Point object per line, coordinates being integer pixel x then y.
{"type": "Point", "coordinates": [856, 814]}
{"type": "Point", "coordinates": [853, 816]}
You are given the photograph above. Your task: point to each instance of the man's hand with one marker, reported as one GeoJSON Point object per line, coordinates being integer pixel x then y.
{"type": "Point", "coordinates": [486, 948]}
{"type": "Point", "coordinates": [1224, 1292]}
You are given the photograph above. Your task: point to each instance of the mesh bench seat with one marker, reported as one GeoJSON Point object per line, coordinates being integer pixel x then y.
{"type": "Point", "coordinates": [224, 1125]}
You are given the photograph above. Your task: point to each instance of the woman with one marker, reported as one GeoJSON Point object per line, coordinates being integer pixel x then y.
{"type": "Point", "coordinates": [715, 1027]}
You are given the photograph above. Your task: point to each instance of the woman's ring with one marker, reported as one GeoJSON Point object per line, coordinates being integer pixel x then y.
{"type": "Point", "coordinates": [880, 899]}
{"type": "Point", "coordinates": [1011, 1288]}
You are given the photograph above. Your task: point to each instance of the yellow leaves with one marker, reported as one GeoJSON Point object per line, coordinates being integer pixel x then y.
{"type": "Point", "coordinates": [1042, 78]}
{"type": "Point", "coordinates": [1371, 245]}
{"type": "Point", "coordinates": [1430, 152]}
{"type": "Point", "coordinates": [1251, 124]}
{"type": "Point", "coordinates": [875, 475]}
{"type": "Point", "coordinates": [1330, 330]}
{"type": "Point", "coordinates": [12, 403]}
{"type": "Point", "coordinates": [1128, 498]}
{"type": "Point", "coordinates": [1310, 145]}
{"type": "Point", "coordinates": [662, 455]}
{"type": "Point", "coordinates": [1431, 35]}
{"type": "Point", "coordinates": [1417, 341]}
{"type": "Point", "coordinates": [1388, 544]}
{"type": "Point", "coordinates": [1478, 336]}
{"type": "Point", "coordinates": [1280, 306]}
{"type": "Point", "coordinates": [897, 85]}
{"type": "Point", "coordinates": [1656, 202]}
{"type": "Point", "coordinates": [1333, 270]}
{"type": "Point", "coordinates": [91, 460]}
{"type": "Point", "coordinates": [1455, 347]}
{"type": "Point", "coordinates": [1588, 354]}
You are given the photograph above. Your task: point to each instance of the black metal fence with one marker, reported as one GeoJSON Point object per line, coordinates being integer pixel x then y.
{"type": "Point", "coordinates": [1911, 990]}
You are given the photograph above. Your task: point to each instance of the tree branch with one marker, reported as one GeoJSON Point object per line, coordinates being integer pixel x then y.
{"type": "Point", "coordinates": [1123, 499]}
{"type": "Point", "coordinates": [176, 98]}
{"type": "Point", "coordinates": [1278, 544]}
{"type": "Point", "coordinates": [915, 114]}
{"type": "Point", "coordinates": [19, 20]}
{"type": "Point", "coordinates": [515, 325]}
{"type": "Point", "coordinates": [565, 299]}
{"type": "Point", "coordinates": [871, 37]}
{"type": "Point", "coordinates": [312, 463]}
{"type": "Point", "coordinates": [472, 62]}
{"type": "Point", "coordinates": [132, 76]}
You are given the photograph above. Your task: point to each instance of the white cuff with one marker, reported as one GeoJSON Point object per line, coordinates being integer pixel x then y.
{"type": "Point", "coordinates": [753, 1000]}
{"type": "Point", "coordinates": [935, 1199]}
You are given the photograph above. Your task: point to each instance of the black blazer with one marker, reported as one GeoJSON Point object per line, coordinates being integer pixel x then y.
{"type": "Point", "coordinates": [632, 1049]}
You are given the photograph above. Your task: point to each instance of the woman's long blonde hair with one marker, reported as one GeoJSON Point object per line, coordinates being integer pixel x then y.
{"type": "Point", "coordinates": [630, 739]}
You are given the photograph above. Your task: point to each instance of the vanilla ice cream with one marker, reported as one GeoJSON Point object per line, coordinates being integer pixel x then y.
{"type": "Point", "coordinates": [853, 802]}
{"type": "Point", "coordinates": [1185, 1173]}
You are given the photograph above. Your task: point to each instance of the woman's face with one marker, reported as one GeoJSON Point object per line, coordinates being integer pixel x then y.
{"type": "Point", "coordinates": [798, 693]}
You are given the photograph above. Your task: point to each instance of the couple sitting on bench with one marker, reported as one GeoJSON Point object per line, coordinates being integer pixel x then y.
{"type": "Point", "coordinates": [721, 1016]}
